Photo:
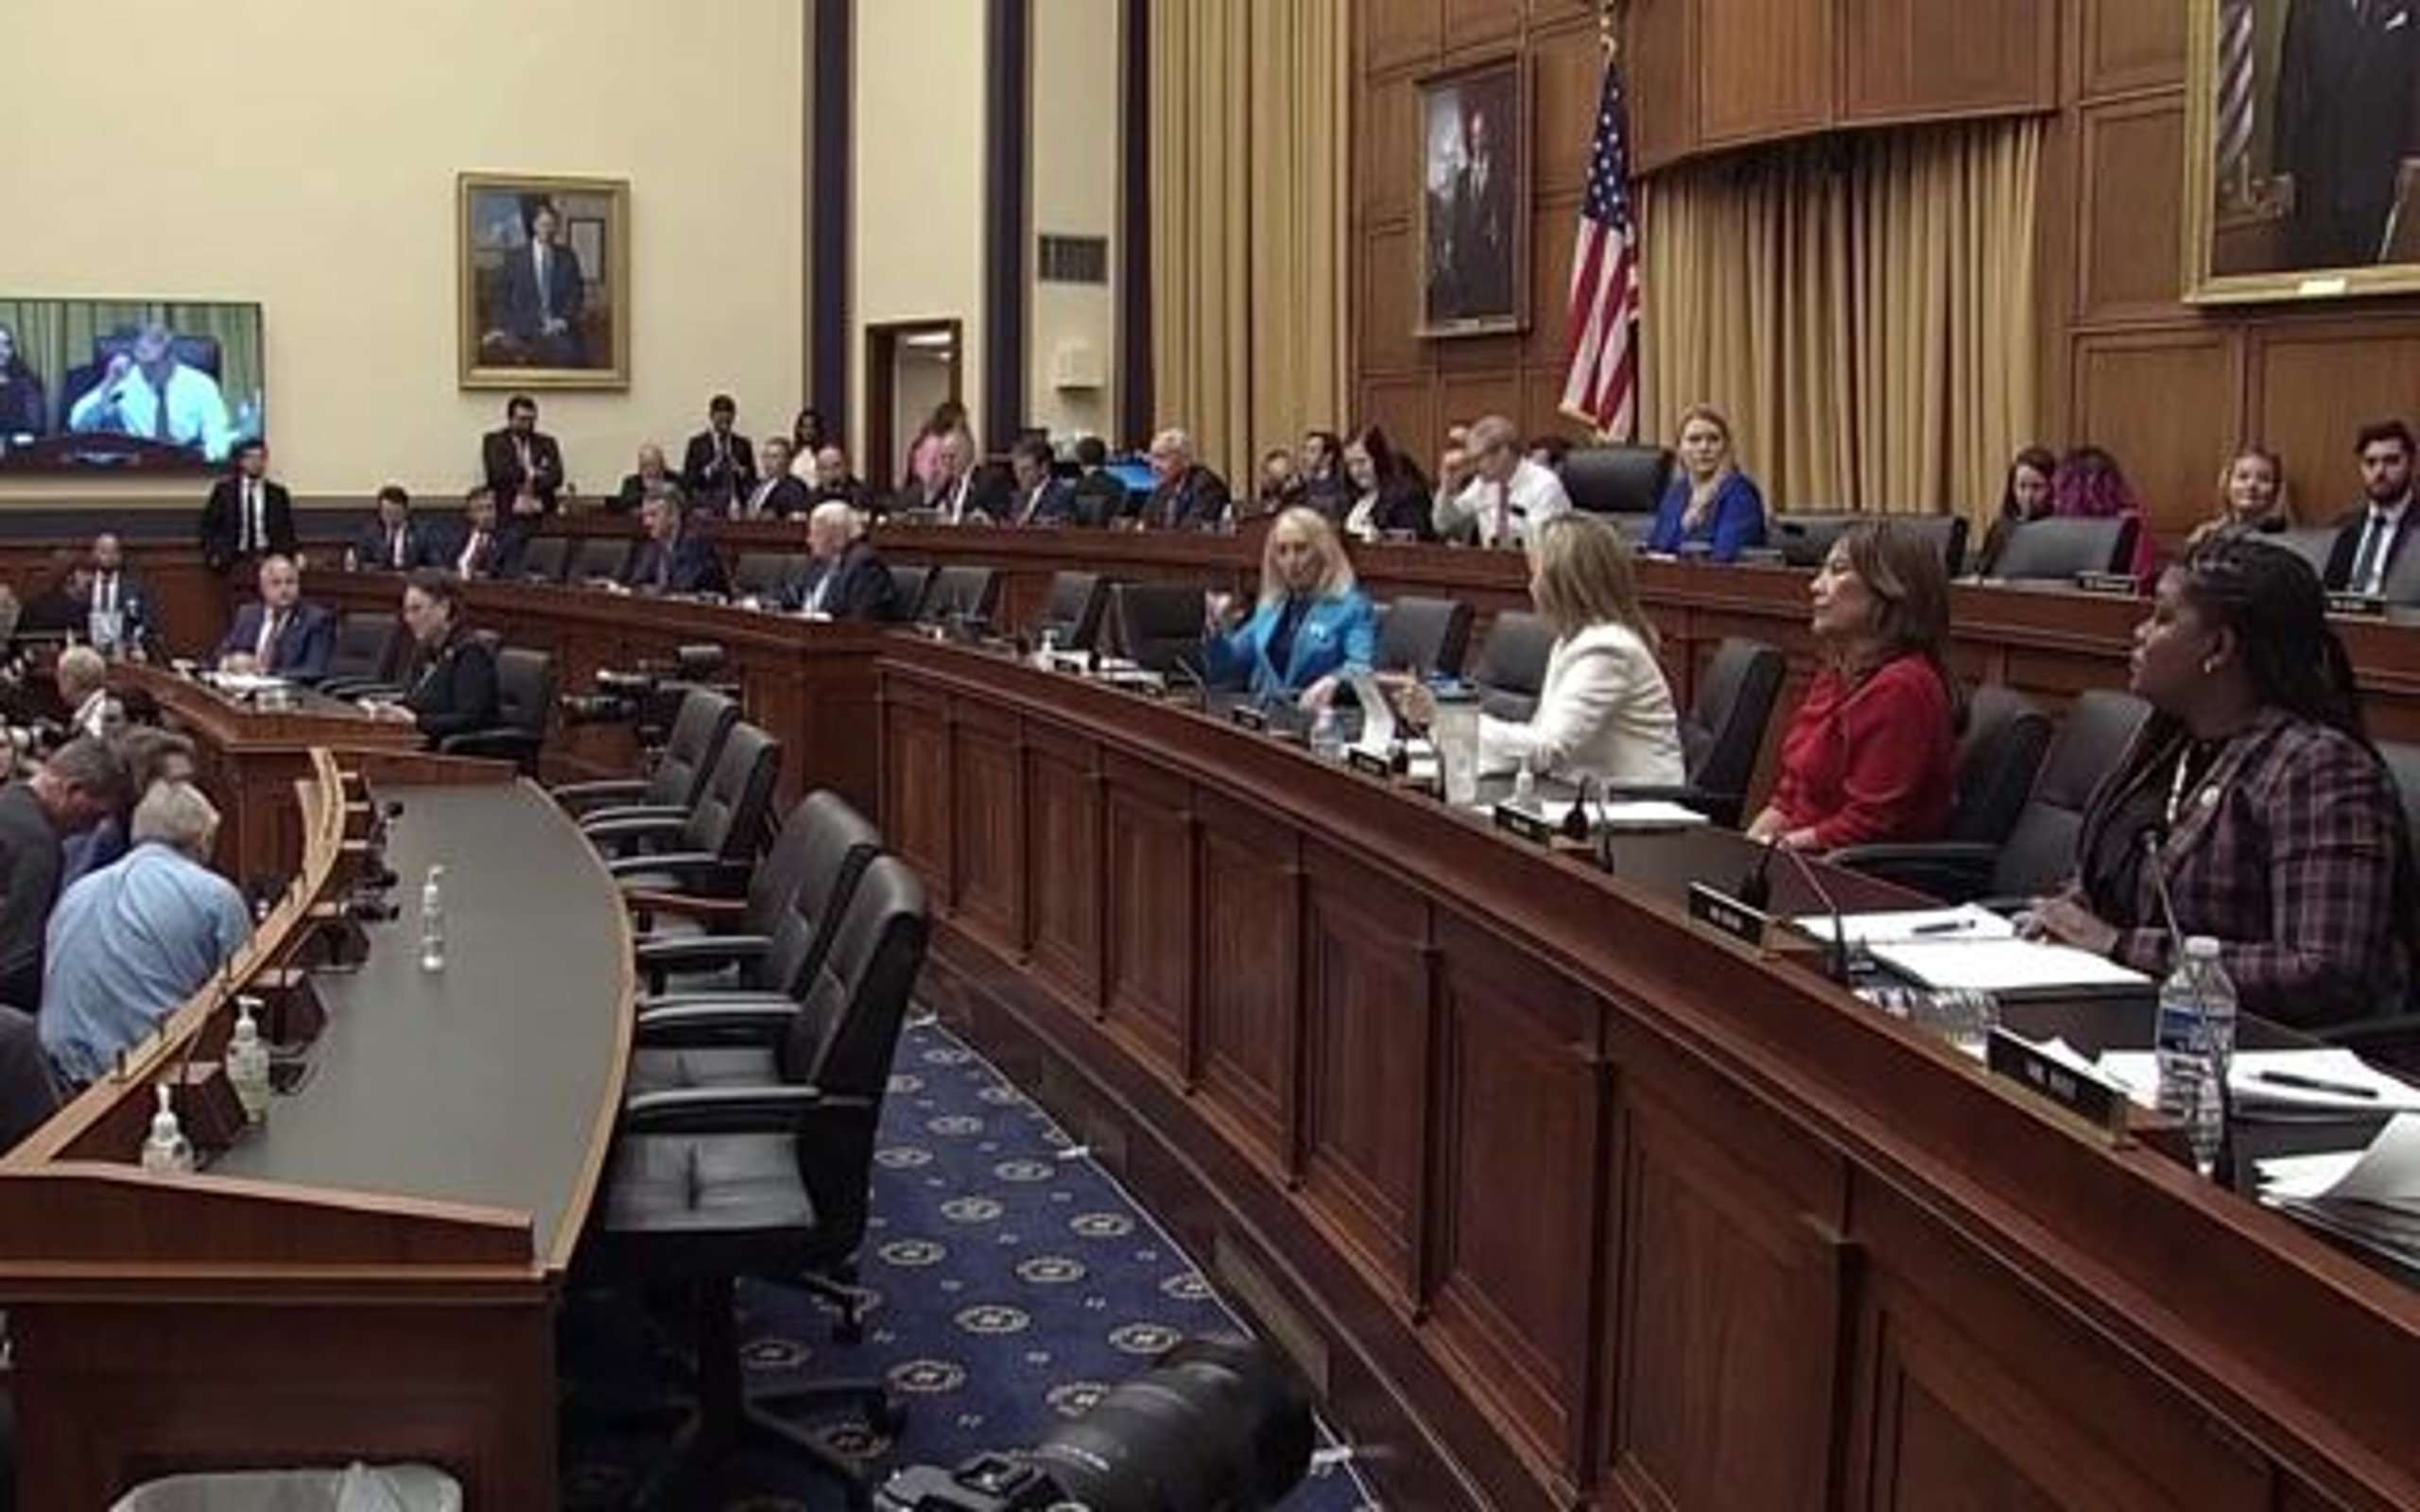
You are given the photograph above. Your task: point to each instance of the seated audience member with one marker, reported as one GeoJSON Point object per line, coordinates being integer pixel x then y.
{"type": "Point", "coordinates": [1042, 498]}
{"type": "Point", "coordinates": [836, 484]}
{"type": "Point", "coordinates": [279, 633]}
{"type": "Point", "coordinates": [2090, 484]}
{"type": "Point", "coordinates": [962, 489]}
{"type": "Point", "coordinates": [131, 942]}
{"type": "Point", "coordinates": [449, 683]}
{"type": "Point", "coordinates": [118, 603]}
{"type": "Point", "coordinates": [2380, 528]}
{"type": "Point", "coordinates": [1710, 507]}
{"type": "Point", "coordinates": [1488, 491]}
{"type": "Point", "coordinates": [808, 436]}
{"type": "Point", "coordinates": [151, 755]}
{"type": "Point", "coordinates": [2252, 497]}
{"type": "Point", "coordinates": [1387, 502]}
{"type": "Point", "coordinates": [24, 407]}
{"type": "Point", "coordinates": [523, 466]}
{"type": "Point", "coordinates": [394, 541]}
{"type": "Point", "coordinates": [653, 475]}
{"type": "Point", "coordinates": [2023, 495]}
{"type": "Point", "coordinates": [74, 789]}
{"type": "Point", "coordinates": [248, 515]}
{"type": "Point", "coordinates": [476, 549]}
{"type": "Point", "coordinates": [717, 467]}
{"type": "Point", "coordinates": [675, 557]}
{"type": "Point", "coordinates": [1186, 495]}
{"type": "Point", "coordinates": [843, 577]}
{"type": "Point", "coordinates": [1311, 626]}
{"type": "Point", "coordinates": [83, 678]}
{"type": "Point", "coordinates": [2255, 790]}
{"type": "Point", "coordinates": [1869, 754]}
{"type": "Point", "coordinates": [778, 494]}
{"type": "Point", "coordinates": [1281, 486]}
{"type": "Point", "coordinates": [1548, 451]}
{"type": "Point", "coordinates": [925, 472]}
{"type": "Point", "coordinates": [1099, 497]}
{"type": "Point", "coordinates": [1320, 464]}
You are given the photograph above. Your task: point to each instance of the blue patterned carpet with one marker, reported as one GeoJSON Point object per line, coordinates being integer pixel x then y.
{"type": "Point", "coordinates": [1018, 1283]}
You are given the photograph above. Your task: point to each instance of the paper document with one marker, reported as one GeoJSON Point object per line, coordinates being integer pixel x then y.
{"type": "Point", "coordinates": [2005, 965]}
{"type": "Point", "coordinates": [1971, 921]}
{"type": "Point", "coordinates": [1641, 816]}
{"type": "Point", "coordinates": [2274, 1083]}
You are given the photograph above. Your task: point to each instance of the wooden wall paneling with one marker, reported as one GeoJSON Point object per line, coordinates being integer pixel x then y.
{"type": "Point", "coordinates": [1565, 70]}
{"type": "Point", "coordinates": [2314, 382]}
{"type": "Point", "coordinates": [1406, 408]}
{"type": "Point", "coordinates": [1907, 59]}
{"type": "Point", "coordinates": [1480, 24]}
{"type": "Point", "coordinates": [916, 792]}
{"type": "Point", "coordinates": [2126, 44]}
{"type": "Point", "coordinates": [2133, 226]}
{"type": "Point", "coordinates": [1248, 1029]}
{"type": "Point", "coordinates": [1520, 1178]}
{"type": "Point", "coordinates": [988, 832]}
{"type": "Point", "coordinates": [1765, 69]}
{"type": "Point", "coordinates": [2170, 404]}
{"type": "Point", "coordinates": [1390, 299]}
{"type": "Point", "coordinates": [1153, 904]}
{"type": "Point", "coordinates": [1659, 51]}
{"type": "Point", "coordinates": [1464, 397]}
{"type": "Point", "coordinates": [1368, 1023]}
{"type": "Point", "coordinates": [1553, 225]}
{"type": "Point", "coordinates": [1396, 32]}
{"type": "Point", "coordinates": [1064, 862]}
{"type": "Point", "coordinates": [1387, 157]}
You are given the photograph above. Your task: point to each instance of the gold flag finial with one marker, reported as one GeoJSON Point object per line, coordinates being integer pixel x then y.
{"type": "Point", "coordinates": [1609, 28]}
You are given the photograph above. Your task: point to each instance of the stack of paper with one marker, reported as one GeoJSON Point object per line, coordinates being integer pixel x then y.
{"type": "Point", "coordinates": [1970, 921]}
{"type": "Point", "coordinates": [2282, 1084]}
{"type": "Point", "coordinates": [2370, 1198]}
{"type": "Point", "coordinates": [1636, 816]}
{"type": "Point", "coordinates": [2004, 964]}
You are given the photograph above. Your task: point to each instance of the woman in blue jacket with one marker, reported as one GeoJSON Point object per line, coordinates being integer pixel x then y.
{"type": "Point", "coordinates": [1312, 624]}
{"type": "Point", "coordinates": [1710, 505]}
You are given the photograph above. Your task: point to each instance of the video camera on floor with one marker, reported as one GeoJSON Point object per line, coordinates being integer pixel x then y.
{"type": "Point", "coordinates": [649, 695]}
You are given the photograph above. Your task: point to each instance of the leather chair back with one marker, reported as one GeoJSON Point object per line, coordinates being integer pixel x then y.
{"type": "Point", "coordinates": [961, 592]}
{"type": "Point", "coordinates": [545, 559]}
{"type": "Point", "coordinates": [368, 648]}
{"type": "Point", "coordinates": [761, 574]}
{"type": "Point", "coordinates": [800, 889]}
{"type": "Point", "coordinates": [1804, 538]}
{"type": "Point", "coordinates": [1724, 730]}
{"type": "Point", "coordinates": [1159, 624]}
{"type": "Point", "coordinates": [1617, 479]}
{"type": "Point", "coordinates": [912, 582]}
{"type": "Point", "coordinates": [525, 690]}
{"type": "Point", "coordinates": [1999, 757]}
{"type": "Point", "coordinates": [600, 556]}
{"type": "Point", "coordinates": [2402, 586]}
{"type": "Point", "coordinates": [1424, 636]}
{"type": "Point", "coordinates": [728, 819]}
{"type": "Point", "coordinates": [2402, 760]}
{"type": "Point", "coordinates": [2313, 546]}
{"type": "Point", "coordinates": [2040, 851]}
{"type": "Point", "coordinates": [1512, 665]}
{"type": "Point", "coordinates": [2057, 548]}
{"type": "Point", "coordinates": [690, 748]}
{"type": "Point", "coordinates": [1074, 610]}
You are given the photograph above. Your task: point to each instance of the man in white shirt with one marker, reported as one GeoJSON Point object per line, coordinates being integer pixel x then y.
{"type": "Point", "coordinates": [2370, 540]}
{"type": "Point", "coordinates": [1488, 486]}
{"type": "Point", "coordinates": [147, 392]}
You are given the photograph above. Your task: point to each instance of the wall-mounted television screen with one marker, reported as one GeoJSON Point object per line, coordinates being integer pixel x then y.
{"type": "Point", "coordinates": [125, 385]}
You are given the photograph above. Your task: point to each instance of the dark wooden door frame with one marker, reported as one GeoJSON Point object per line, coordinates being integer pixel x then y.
{"type": "Point", "coordinates": [882, 433]}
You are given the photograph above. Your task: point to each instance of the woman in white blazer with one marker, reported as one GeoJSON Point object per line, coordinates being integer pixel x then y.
{"type": "Point", "coordinates": [1605, 711]}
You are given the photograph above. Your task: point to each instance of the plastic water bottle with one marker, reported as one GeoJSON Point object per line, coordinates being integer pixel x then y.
{"type": "Point", "coordinates": [2194, 1045]}
{"type": "Point", "coordinates": [248, 1062]}
{"type": "Point", "coordinates": [167, 1151]}
{"type": "Point", "coordinates": [1328, 740]}
{"type": "Point", "coordinates": [432, 921]}
{"type": "Point", "coordinates": [1525, 785]}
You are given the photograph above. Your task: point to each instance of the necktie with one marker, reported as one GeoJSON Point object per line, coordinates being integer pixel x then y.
{"type": "Point", "coordinates": [469, 565]}
{"type": "Point", "coordinates": [1503, 513]}
{"type": "Point", "coordinates": [395, 548]}
{"type": "Point", "coordinates": [107, 594]}
{"type": "Point", "coordinates": [260, 649]}
{"type": "Point", "coordinates": [2369, 564]}
{"type": "Point", "coordinates": [664, 566]}
{"type": "Point", "coordinates": [252, 516]}
{"type": "Point", "coordinates": [160, 411]}
{"type": "Point", "coordinates": [545, 295]}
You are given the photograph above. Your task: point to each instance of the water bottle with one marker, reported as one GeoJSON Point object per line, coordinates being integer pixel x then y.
{"type": "Point", "coordinates": [166, 1150]}
{"type": "Point", "coordinates": [1328, 740]}
{"type": "Point", "coordinates": [2194, 1044]}
{"type": "Point", "coordinates": [1525, 785]}
{"type": "Point", "coordinates": [432, 921]}
{"type": "Point", "coordinates": [248, 1062]}
{"type": "Point", "coordinates": [1455, 733]}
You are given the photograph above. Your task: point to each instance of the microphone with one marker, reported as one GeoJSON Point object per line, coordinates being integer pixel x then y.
{"type": "Point", "coordinates": [1182, 663]}
{"type": "Point", "coordinates": [2155, 841]}
{"type": "Point", "coordinates": [1837, 962]}
{"type": "Point", "coordinates": [1575, 826]}
{"type": "Point", "coordinates": [1756, 890]}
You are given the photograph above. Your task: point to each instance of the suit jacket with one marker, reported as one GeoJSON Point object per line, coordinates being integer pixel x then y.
{"type": "Point", "coordinates": [1335, 634]}
{"type": "Point", "coordinates": [369, 553]}
{"type": "Point", "coordinates": [785, 498]}
{"type": "Point", "coordinates": [303, 646]}
{"type": "Point", "coordinates": [988, 495]}
{"type": "Point", "coordinates": [525, 314]}
{"type": "Point", "coordinates": [861, 587]}
{"type": "Point", "coordinates": [452, 690]}
{"type": "Point", "coordinates": [1099, 499]}
{"type": "Point", "coordinates": [136, 608]}
{"type": "Point", "coordinates": [2339, 578]}
{"type": "Point", "coordinates": [687, 563]}
{"type": "Point", "coordinates": [500, 462]}
{"type": "Point", "coordinates": [446, 545]}
{"type": "Point", "coordinates": [223, 521]}
{"type": "Point", "coordinates": [2347, 114]}
{"type": "Point", "coordinates": [1053, 504]}
{"type": "Point", "coordinates": [633, 490]}
{"type": "Point", "coordinates": [1196, 500]}
{"type": "Point", "coordinates": [701, 470]}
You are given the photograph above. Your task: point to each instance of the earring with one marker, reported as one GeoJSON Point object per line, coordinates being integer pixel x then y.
{"type": "Point", "coordinates": [2209, 664]}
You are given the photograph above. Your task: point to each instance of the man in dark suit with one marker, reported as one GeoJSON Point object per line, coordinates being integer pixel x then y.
{"type": "Point", "coordinates": [836, 484]}
{"type": "Point", "coordinates": [473, 548]}
{"type": "Point", "coordinates": [247, 516]}
{"type": "Point", "coordinates": [674, 558]}
{"type": "Point", "coordinates": [278, 633]}
{"type": "Point", "coordinates": [843, 577]}
{"type": "Point", "coordinates": [1099, 496]}
{"type": "Point", "coordinates": [117, 598]}
{"type": "Point", "coordinates": [2375, 536]}
{"type": "Point", "coordinates": [777, 495]}
{"type": "Point", "coordinates": [1186, 495]}
{"type": "Point", "coordinates": [653, 474]}
{"type": "Point", "coordinates": [2347, 139]}
{"type": "Point", "coordinates": [1041, 498]}
{"type": "Point", "coordinates": [963, 492]}
{"type": "Point", "coordinates": [524, 469]}
{"type": "Point", "coordinates": [1482, 223]}
{"type": "Point", "coordinates": [393, 541]}
{"type": "Point", "coordinates": [717, 466]}
{"type": "Point", "coordinates": [544, 293]}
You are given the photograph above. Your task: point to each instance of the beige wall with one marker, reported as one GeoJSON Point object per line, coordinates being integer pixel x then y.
{"type": "Point", "coordinates": [305, 156]}
{"type": "Point", "coordinates": [1075, 138]}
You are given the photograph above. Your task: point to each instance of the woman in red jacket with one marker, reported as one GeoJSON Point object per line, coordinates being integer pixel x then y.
{"type": "Point", "coordinates": [1869, 753]}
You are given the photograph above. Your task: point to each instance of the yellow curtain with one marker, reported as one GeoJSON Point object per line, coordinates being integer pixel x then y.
{"type": "Point", "coordinates": [1863, 307]}
{"type": "Point", "coordinates": [1250, 157]}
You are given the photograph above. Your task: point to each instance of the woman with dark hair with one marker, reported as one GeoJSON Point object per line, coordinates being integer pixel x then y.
{"type": "Point", "coordinates": [1869, 754]}
{"type": "Point", "coordinates": [2089, 484]}
{"type": "Point", "coordinates": [25, 408]}
{"type": "Point", "coordinates": [2025, 494]}
{"type": "Point", "coordinates": [807, 437]}
{"type": "Point", "coordinates": [1389, 498]}
{"type": "Point", "coordinates": [2254, 792]}
{"type": "Point", "coordinates": [449, 684]}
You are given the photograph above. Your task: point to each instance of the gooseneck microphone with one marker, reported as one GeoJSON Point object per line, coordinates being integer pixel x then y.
{"type": "Point", "coordinates": [1755, 890]}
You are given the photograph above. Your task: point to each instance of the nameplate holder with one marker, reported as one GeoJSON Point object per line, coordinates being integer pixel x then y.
{"type": "Point", "coordinates": [1248, 717]}
{"type": "Point", "coordinates": [1526, 823]}
{"type": "Point", "coordinates": [2108, 585]}
{"type": "Point", "coordinates": [1718, 911]}
{"type": "Point", "coordinates": [2079, 1093]}
{"type": "Point", "coordinates": [1369, 762]}
{"type": "Point", "coordinates": [207, 1108]}
{"type": "Point", "coordinates": [2356, 605]}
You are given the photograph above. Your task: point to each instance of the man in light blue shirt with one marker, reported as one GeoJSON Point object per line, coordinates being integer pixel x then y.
{"type": "Point", "coordinates": [133, 940]}
{"type": "Point", "coordinates": [147, 392]}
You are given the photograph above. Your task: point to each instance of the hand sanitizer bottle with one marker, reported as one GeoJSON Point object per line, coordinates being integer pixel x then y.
{"type": "Point", "coordinates": [432, 921]}
{"type": "Point", "coordinates": [167, 1151]}
{"type": "Point", "coordinates": [248, 1062]}
{"type": "Point", "coordinates": [1525, 785]}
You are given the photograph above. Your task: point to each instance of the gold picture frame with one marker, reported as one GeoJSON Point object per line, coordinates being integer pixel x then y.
{"type": "Point", "coordinates": [567, 327]}
{"type": "Point", "coordinates": [2300, 180]}
{"type": "Point", "coordinates": [1474, 198]}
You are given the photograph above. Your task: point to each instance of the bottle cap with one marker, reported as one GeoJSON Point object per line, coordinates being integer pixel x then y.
{"type": "Point", "coordinates": [2201, 948]}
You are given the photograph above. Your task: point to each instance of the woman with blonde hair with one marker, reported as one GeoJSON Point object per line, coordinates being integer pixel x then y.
{"type": "Point", "coordinates": [2252, 496]}
{"type": "Point", "coordinates": [1313, 623]}
{"type": "Point", "coordinates": [1710, 508]}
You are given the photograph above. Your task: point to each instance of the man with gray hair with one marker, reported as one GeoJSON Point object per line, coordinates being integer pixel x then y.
{"type": "Point", "coordinates": [83, 676]}
{"type": "Point", "coordinates": [1186, 495]}
{"type": "Point", "coordinates": [1487, 487]}
{"type": "Point", "coordinates": [132, 941]}
{"type": "Point", "coordinates": [843, 578]}
{"type": "Point", "coordinates": [82, 782]}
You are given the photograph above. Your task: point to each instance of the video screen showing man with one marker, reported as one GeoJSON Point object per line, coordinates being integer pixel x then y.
{"type": "Point", "coordinates": [543, 295]}
{"type": "Point", "coordinates": [145, 391]}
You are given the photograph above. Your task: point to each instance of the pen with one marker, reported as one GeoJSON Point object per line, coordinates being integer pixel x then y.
{"type": "Point", "coordinates": [1943, 926]}
{"type": "Point", "coordinates": [2315, 1084]}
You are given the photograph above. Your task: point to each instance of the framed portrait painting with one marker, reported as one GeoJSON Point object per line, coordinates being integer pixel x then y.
{"type": "Point", "coordinates": [2302, 149]}
{"type": "Point", "coordinates": [1474, 200]}
{"type": "Point", "coordinates": [543, 281]}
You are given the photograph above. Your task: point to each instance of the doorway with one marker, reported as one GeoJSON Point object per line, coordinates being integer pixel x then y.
{"type": "Point", "coordinates": [911, 367]}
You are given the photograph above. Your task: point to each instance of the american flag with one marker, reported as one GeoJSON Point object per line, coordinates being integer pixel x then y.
{"type": "Point", "coordinates": [1603, 384]}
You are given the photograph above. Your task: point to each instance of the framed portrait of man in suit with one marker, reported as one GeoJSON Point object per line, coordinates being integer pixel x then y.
{"type": "Point", "coordinates": [2302, 159]}
{"type": "Point", "coordinates": [1474, 125]}
{"type": "Point", "coordinates": [544, 280]}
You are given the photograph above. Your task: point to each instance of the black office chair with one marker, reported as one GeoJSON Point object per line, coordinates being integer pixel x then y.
{"type": "Point", "coordinates": [1159, 624]}
{"type": "Point", "coordinates": [710, 849]}
{"type": "Point", "coordinates": [1804, 538]}
{"type": "Point", "coordinates": [961, 595]}
{"type": "Point", "coordinates": [1424, 636]}
{"type": "Point", "coordinates": [1512, 665]}
{"type": "Point", "coordinates": [912, 583]}
{"type": "Point", "coordinates": [600, 558]}
{"type": "Point", "coordinates": [525, 696]}
{"type": "Point", "coordinates": [2312, 546]}
{"type": "Point", "coordinates": [2061, 547]}
{"type": "Point", "coordinates": [1723, 731]}
{"type": "Point", "coordinates": [761, 574]}
{"type": "Point", "coordinates": [2394, 1034]}
{"type": "Point", "coordinates": [673, 784]}
{"type": "Point", "coordinates": [367, 657]}
{"type": "Point", "coordinates": [2000, 760]}
{"type": "Point", "coordinates": [707, 1185]}
{"type": "Point", "coordinates": [545, 559]}
{"type": "Point", "coordinates": [1618, 480]}
{"type": "Point", "coordinates": [2401, 589]}
{"type": "Point", "coordinates": [1073, 609]}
